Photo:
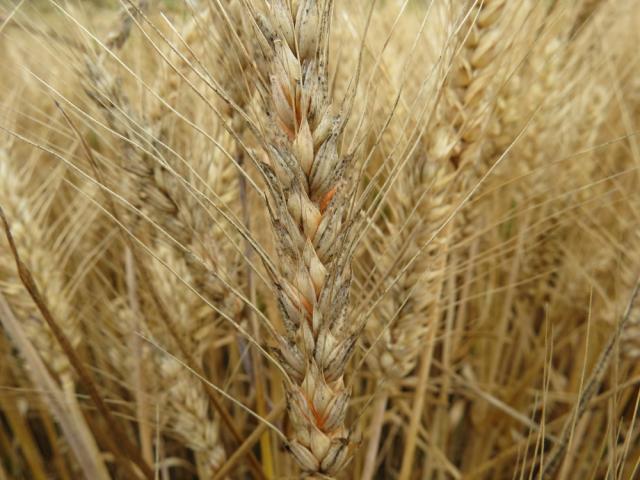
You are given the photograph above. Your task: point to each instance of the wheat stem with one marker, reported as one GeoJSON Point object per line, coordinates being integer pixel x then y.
{"type": "Point", "coordinates": [591, 386]}
{"type": "Point", "coordinates": [371, 457]}
{"type": "Point", "coordinates": [24, 438]}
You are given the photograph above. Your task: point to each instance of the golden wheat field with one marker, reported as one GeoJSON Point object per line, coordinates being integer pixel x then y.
{"type": "Point", "coordinates": [318, 239]}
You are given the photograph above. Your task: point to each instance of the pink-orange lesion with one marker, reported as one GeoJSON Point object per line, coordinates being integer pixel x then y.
{"type": "Point", "coordinates": [293, 97]}
{"type": "Point", "coordinates": [318, 418]}
{"type": "Point", "coordinates": [307, 306]}
{"type": "Point", "coordinates": [324, 203]}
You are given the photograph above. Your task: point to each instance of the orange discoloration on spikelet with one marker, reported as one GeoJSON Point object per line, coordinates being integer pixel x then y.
{"type": "Point", "coordinates": [324, 203]}
{"type": "Point", "coordinates": [290, 133]}
{"type": "Point", "coordinates": [318, 418]}
{"type": "Point", "coordinates": [306, 304]}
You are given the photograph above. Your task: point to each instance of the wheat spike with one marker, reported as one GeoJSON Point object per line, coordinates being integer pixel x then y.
{"type": "Point", "coordinates": [420, 202]}
{"type": "Point", "coordinates": [188, 414]}
{"type": "Point", "coordinates": [494, 40]}
{"type": "Point", "coordinates": [309, 190]}
{"type": "Point", "coordinates": [29, 225]}
{"type": "Point", "coordinates": [28, 211]}
{"type": "Point", "coordinates": [170, 191]}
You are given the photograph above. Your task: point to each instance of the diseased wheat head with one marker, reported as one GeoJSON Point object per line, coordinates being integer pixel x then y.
{"type": "Point", "coordinates": [308, 180]}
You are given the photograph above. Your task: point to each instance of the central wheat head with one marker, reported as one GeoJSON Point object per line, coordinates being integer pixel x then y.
{"type": "Point", "coordinates": [306, 176]}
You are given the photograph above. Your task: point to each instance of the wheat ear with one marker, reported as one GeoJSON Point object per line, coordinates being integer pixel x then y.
{"type": "Point", "coordinates": [181, 213]}
{"type": "Point", "coordinates": [27, 212]}
{"type": "Point", "coordinates": [188, 410]}
{"type": "Point", "coordinates": [33, 235]}
{"type": "Point", "coordinates": [419, 203]}
{"type": "Point", "coordinates": [489, 48]}
{"type": "Point", "coordinates": [119, 442]}
{"type": "Point", "coordinates": [474, 72]}
{"type": "Point", "coordinates": [309, 191]}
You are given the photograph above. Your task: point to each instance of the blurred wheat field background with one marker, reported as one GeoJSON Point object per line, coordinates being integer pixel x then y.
{"type": "Point", "coordinates": [281, 239]}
